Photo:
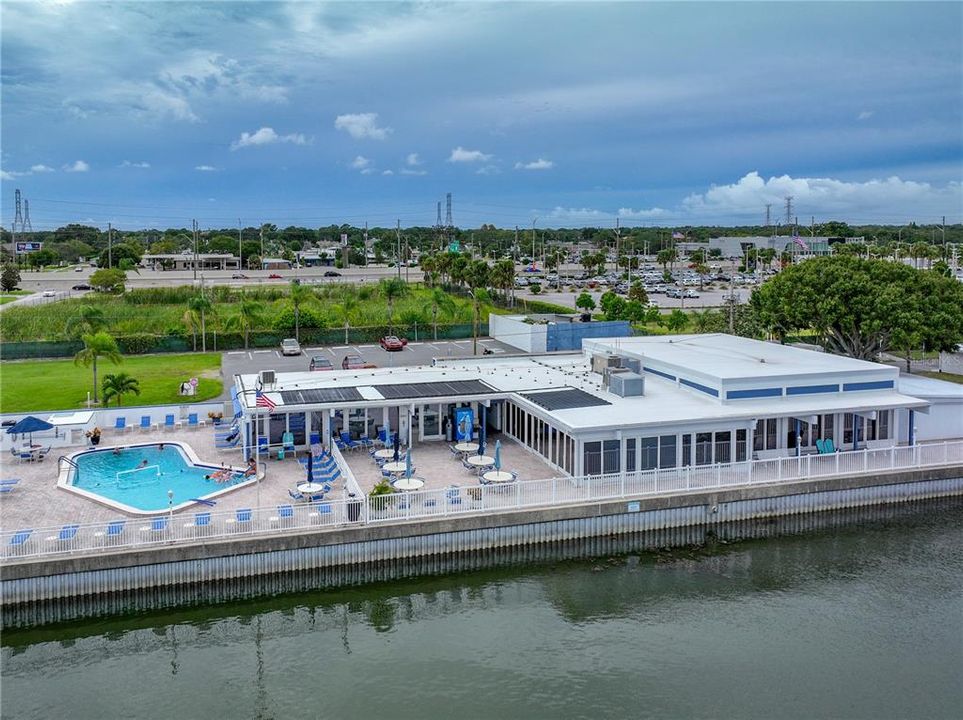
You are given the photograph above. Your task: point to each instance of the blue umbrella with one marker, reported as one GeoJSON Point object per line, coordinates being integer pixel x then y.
{"type": "Point", "coordinates": [498, 454]}
{"type": "Point", "coordinates": [387, 438]}
{"type": "Point", "coordinates": [408, 463]}
{"type": "Point", "coordinates": [310, 467]}
{"type": "Point", "coordinates": [397, 444]}
{"type": "Point", "coordinates": [29, 425]}
{"type": "Point", "coordinates": [482, 433]}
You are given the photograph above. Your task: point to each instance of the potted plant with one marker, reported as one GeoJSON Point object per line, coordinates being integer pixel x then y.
{"type": "Point", "coordinates": [380, 496]}
{"type": "Point", "coordinates": [94, 436]}
{"type": "Point", "coordinates": [215, 417]}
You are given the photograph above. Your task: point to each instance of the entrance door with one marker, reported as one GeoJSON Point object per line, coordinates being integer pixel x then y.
{"type": "Point", "coordinates": [430, 416]}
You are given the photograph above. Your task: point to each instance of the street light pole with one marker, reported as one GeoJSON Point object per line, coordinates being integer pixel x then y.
{"type": "Point", "coordinates": [474, 324]}
{"type": "Point", "coordinates": [170, 511]}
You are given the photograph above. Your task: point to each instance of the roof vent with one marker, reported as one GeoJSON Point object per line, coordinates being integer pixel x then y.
{"type": "Point", "coordinates": [267, 377]}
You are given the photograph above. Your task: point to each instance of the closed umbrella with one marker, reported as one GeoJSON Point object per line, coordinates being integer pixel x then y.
{"type": "Point", "coordinates": [310, 467]}
{"type": "Point", "coordinates": [482, 431]}
{"type": "Point", "coordinates": [397, 443]}
{"type": "Point", "coordinates": [408, 464]}
{"type": "Point", "coordinates": [498, 454]}
{"type": "Point", "coordinates": [28, 426]}
{"type": "Point", "coordinates": [387, 438]}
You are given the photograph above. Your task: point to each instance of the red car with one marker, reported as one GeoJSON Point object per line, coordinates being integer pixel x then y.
{"type": "Point", "coordinates": [355, 362]}
{"type": "Point", "coordinates": [393, 342]}
{"type": "Point", "coordinates": [274, 276]}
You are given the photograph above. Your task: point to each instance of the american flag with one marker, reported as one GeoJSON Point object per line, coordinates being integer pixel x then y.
{"type": "Point", "coordinates": [264, 401]}
{"type": "Point", "coordinates": [678, 236]}
{"type": "Point", "coordinates": [799, 241]}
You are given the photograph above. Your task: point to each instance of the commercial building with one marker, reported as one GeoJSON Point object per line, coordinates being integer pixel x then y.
{"type": "Point", "coordinates": [185, 261]}
{"type": "Point", "coordinates": [736, 247]}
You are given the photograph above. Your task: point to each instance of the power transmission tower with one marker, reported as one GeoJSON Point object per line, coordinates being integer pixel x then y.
{"type": "Point", "coordinates": [438, 221]}
{"type": "Point", "coordinates": [26, 226]}
{"type": "Point", "coordinates": [448, 223]}
{"type": "Point", "coordinates": [789, 210]}
{"type": "Point", "coordinates": [18, 216]}
{"type": "Point", "coordinates": [769, 218]}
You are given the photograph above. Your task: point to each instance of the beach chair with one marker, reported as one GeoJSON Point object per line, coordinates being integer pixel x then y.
{"type": "Point", "coordinates": [158, 526]}
{"type": "Point", "coordinates": [7, 489]}
{"type": "Point", "coordinates": [262, 446]}
{"type": "Point", "coordinates": [453, 494]}
{"type": "Point", "coordinates": [828, 445]}
{"type": "Point", "coordinates": [365, 442]}
{"type": "Point", "coordinates": [24, 455]}
{"type": "Point", "coordinates": [193, 422]}
{"type": "Point", "coordinates": [113, 530]}
{"type": "Point", "coordinates": [202, 521]}
{"type": "Point", "coordinates": [285, 515]}
{"type": "Point", "coordinates": [66, 534]}
{"type": "Point", "coordinates": [120, 424]}
{"type": "Point", "coordinates": [287, 441]}
{"type": "Point", "coordinates": [12, 481]}
{"type": "Point", "coordinates": [227, 444]}
{"type": "Point", "coordinates": [243, 520]}
{"type": "Point", "coordinates": [20, 538]}
{"type": "Point", "coordinates": [169, 422]}
{"type": "Point", "coordinates": [144, 423]}
{"type": "Point", "coordinates": [295, 495]}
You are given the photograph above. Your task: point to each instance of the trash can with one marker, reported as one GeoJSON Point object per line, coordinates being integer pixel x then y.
{"type": "Point", "coordinates": [354, 508]}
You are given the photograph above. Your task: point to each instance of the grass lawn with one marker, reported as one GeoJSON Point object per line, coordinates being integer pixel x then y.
{"type": "Point", "coordinates": [12, 295]}
{"type": "Point", "coordinates": [34, 385]}
{"type": "Point", "coordinates": [948, 377]}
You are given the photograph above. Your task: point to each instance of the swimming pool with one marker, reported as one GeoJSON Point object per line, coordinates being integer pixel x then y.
{"type": "Point", "coordinates": [137, 478]}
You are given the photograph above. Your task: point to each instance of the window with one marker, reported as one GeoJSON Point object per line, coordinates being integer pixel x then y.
{"type": "Point", "coordinates": [884, 425]}
{"type": "Point", "coordinates": [569, 454]}
{"type": "Point", "coordinates": [772, 425]}
{"type": "Point", "coordinates": [740, 445]}
{"type": "Point", "coordinates": [703, 448]}
{"type": "Point", "coordinates": [649, 453]}
{"type": "Point", "coordinates": [870, 429]}
{"type": "Point", "coordinates": [667, 451]}
{"type": "Point", "coordinates": [630, 455]}
{"type": "Point", "coordinates": [759, 436]}
{"type": "Point", "coordinates": [592, 458]}
{"type": "Point", "coordinates": [723, 454]}
{"type": "Point", "coordinates": [686, 449]}
{"type": "Point", "coordinates": [827, 430]}
{"type": "Point", "coordinates": [804, 433]}
{"type": "Point", "coordinates": [847, 428]}
{"type": "Point", "coordinates": [610, 456]}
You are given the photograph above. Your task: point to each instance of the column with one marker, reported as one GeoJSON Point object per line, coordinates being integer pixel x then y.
{"type": "Point", "coordinates": [912, 429]}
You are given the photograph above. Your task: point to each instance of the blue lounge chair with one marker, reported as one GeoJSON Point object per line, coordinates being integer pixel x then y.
{"type": "Point", "coordinates": [114, 529]}
{"type": "Point", "coordinates": [192, 421]}
{"type": "Point", "coordinates": [262, 446]}
{"type": "Point", "coordinates": [227, 444]}
{"type": "Point", "coordinates": [243, 519]}
{"type": "Point", "coordinates": [157, 526]}
{"type": "Point", "coordinates": [168, 422]}
{"type": "Point", "coordinates": [295, 495]}
{"type": "Point", "coordinates": [12, 481]}
{"type": "Point", "coordinates": [201, 520]}
{"type": "Point", "coordinates": [7, 489]}
{"type": "Point", "coordinates": [20, 538]}
{"type": "Point", "coordinates": [144, 422]}
{"type": "Point", "coordinates": [120, 424]}
{"type": "Point", "coordinates": [66, 534]}
{"type": "Point", "coordinates": [285, 513]}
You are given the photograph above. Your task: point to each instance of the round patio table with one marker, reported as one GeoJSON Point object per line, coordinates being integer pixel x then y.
{"type": "Point", "coordinates": [481, 461]}
{"type": "Point", "coordinates": [385, 454]}
{"type": "Point", "coordinates": [394, 467]}
{"type": "Point", "coordinates": [310, 488]}
{"type": "Point", "coordinates": [408, 484]}
{"type": "Point", "coordinates": [465, 447]}
{"type": "Point", "coordinates": [498, 476]}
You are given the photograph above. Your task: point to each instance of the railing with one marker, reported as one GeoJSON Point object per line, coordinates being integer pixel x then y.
{"type": "Point", "coordinates": [183, 528]}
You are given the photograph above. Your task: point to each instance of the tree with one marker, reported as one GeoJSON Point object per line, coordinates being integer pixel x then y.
{"type": "Point", "coordinates": [248, 313]}
{"type": "Point", "coordinates": [861, 307]}
{"type": "Point", "coordinates": [706, 321]}
{"type": "Point", "coordinates": [440, 300]}
{"type": "Point", "coordinates": [89, 319]}
{"type": "Point", "coordinates": [108, 280]}
{"type": "Point", "coordinates": [116, 386]}
{"type": "Point", "coordinates": [298, 295]}
{"type": "Point", "coordinates": [666, 257]}
{"type": "Point", "coordinates": [585, 302]}
{"type": "Point", "coordinates": [675, 320]}
{"type": "Point", "coordinates": [9, 278]}
{"type": "Point", "coordinates": [200, 305]}
{"type": "Point", "coordinates": [42, 258]}
{"type": "Point", "coordinates": [118, 252]}
{"type": "Point", "coordinates": [392, 289]}
{"type": "Point", "coordinates": [347, 306]}
{"type": "Point", "coordinates": [638, 294]}
{"type": "Point", "coordinates": [502, 276]}
{"type": "Point", "coordinates": [613, 306]}
{"type": "Point", "coordinates": [97, 345]}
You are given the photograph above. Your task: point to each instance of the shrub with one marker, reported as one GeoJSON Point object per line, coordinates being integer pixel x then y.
{"type": "Point", "coordinates": [308, 317]}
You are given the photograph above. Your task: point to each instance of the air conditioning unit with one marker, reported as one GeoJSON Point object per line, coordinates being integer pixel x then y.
{"type": "Point", "coordinates": [626, 384]}
{"type": "Point", "coordinates": [600, 362]}
{"type": "Point", "coordinates": [267, 377]}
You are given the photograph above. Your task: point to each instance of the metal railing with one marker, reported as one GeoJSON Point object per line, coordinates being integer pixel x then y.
{"type": "Point", "coordinates": [426, 504]}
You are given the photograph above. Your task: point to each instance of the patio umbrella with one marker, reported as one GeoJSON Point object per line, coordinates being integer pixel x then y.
{"type": "Point", "coordinates": [29, 425]}
{"type": "Point", "coordinates": [397, 443]}
{"type": "Point", "coordinates": [482, 434]}
{"type": "Point", "coordinates": [310, 467]}
{"type": "Point", "coordinates": [498, 454]}
{"type": "Point", "coordinates": [408, 463]}
{"type": "Point", "coordinates": [387, 438]}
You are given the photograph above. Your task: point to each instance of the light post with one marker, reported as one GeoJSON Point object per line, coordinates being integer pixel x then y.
{"type": "Point", "coordinates": [474, 324]}
{"type": "Point", "coordinates": [170, 512]}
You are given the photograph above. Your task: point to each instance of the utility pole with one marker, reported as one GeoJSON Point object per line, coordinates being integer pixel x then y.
{"type": "Point", "coordinates": [515, 248]}
{"type": "Point", "coordinates": [789, 210]}
{"type": "Point", "coordinates": [398, 232]}
{"type": "Point", "coordinates": [769, 218]}
{"type": "Point", "coordinates": [110, 246]}
{"type": "Point", "coordinates": [407, 255]}
{"type": "Point", "coordinates": [239, 243]}
{"type": "Point", "coordinates": [366, 243]}
{"type": "Point", "coordinates": [194, 228]}
{"type": "Point", "coordinates": [262, 244]}
{"type": "Point", "coordinates": [942, 230]}
{"type": "Point", "coordinates": [533, 240]}
{"type": "Point", "coordinates": [618, 239]}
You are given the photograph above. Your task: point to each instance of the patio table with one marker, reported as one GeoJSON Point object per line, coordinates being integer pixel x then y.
{"type": "Point", "coordinates": [310, 488]}
{"type": "Point", "coordinates": [481, 460]}
{"type": "Point", "coordinates": [465, 447]}
{"type": "Point", "coordinates": [394, 467]}
{"type": "Point", "coordinates": [385, 454]}
{"type": "Point", "coordinates": [408, 484]}
{"type": "Point", "coordinates": [498, 476]}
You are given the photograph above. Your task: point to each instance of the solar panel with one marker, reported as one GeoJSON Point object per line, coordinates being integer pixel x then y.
{"type": "Point", "coordinates": [453, 389]}
{"type": "Point", "coordinates": [320, 395]}
{"type": "Point", "coordinates": [565, 399]}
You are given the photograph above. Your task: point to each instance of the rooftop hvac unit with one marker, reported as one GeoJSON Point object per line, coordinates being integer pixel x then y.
{"type": "Point", "coordinates": [267, 377]}
{"type": "Point", "coordinates": [633, 364]}
{"type": "Point", "coordinates": [600, 362]}
{"type": "Point", "coordinates": [627, 384]}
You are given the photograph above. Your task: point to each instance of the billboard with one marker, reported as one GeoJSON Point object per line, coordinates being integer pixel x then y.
{"type": "Point", "coordinates": [464, 423]}
{"type": "Point", "coordinates": [28, 247]}
{"type": "Point", "coordinates": [344, 239]}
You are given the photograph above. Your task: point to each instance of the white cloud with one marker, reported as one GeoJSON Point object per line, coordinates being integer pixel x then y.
{"type": "Point", "coordinates": [865, 115]}
{"type": "Point", "coordinates": [360, 162]}
{"type": "Point", "coordinates": [205, 168]}
{"type": "Point", "coordinates": [128, 163]}
{"type": "Point", "coordinates": [362, 125]}
{"type": "Point", "coordinates": [267, 136]}
{"type": "Point", "coordinates": [488, 170]}
{"type": "Point", "coordinates": [367, 171]}
{"type": "Point", "coordinates": [540, 164]}
{"type": "Point", "coordinates": [459, 154]}
{"type": "Point", "coordinates": [7, 175]}
{"type": "Point", "coordinates": [387, 172]}
{"type": "Point", "coordinates": [41, 168]}
{"type": "Point", "coordinates": [413, 160]}
{"type": "Point", "coordinates": [648, 214]}
{"type": "Point", "coordinates": [825, 197]}
{"type": "Point", "coordinates": [407, 171]}
{"type": "Point", "coordinates": [577, 214]}
{"type": "Point", "coordinates": [77, 166]}
{"type": "Point", "coordinates": [163, 103]}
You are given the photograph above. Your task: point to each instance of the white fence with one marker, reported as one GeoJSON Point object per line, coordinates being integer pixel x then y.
{"type": "Point", "coordinates": [194, 527]}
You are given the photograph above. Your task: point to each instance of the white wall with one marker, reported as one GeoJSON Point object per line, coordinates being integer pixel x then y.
{"type": "Point", "coordinates": [944, 422]}
{"type": "Point", "coordinates": [518, 334]}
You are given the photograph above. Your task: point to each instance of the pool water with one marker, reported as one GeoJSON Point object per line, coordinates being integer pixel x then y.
{"type": "Point", "coordinates": [119, 477]}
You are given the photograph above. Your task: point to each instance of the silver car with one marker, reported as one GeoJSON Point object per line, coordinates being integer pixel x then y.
{"type": "Point", "coordinates": [290, 346]}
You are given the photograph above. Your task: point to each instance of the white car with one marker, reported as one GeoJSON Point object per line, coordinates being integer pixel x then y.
{"type": "Point", "coordinates": [290, 346]}
{"type": "Point", "coordinates": [49, 293]}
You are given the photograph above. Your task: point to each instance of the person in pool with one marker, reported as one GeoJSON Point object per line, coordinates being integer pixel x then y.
{"type": "Point", "coordinates": [143, 464]}
{"type": "Point", "coordinates": [116, 451]}
{"type": "Point", "coordinates": [222, 475]}
{"type": "Point", "coordinates": [251, 468]}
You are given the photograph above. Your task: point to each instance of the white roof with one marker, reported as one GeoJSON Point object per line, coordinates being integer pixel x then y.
{"type": "Point", "coordinates": [930, 388]}
{"type": "Point", "coordinates": [74, 418]}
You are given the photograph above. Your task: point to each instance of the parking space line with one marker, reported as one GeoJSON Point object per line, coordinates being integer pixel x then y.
{"type": "Point", "coordinates": [237, 352]}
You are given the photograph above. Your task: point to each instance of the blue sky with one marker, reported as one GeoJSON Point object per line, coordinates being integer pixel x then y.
{"type": "Point", "coordinates": [150, 114]}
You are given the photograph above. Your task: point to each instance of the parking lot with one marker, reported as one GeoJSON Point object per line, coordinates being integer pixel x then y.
{"type": "Point", "coordinates": [415, 353]}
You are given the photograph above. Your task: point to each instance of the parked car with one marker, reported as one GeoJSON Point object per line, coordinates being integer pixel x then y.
{"type": "Point", "coordinates": [81, 286]}
{"type": "Point", "coordinates": [78, 269]}
{"type": "Point", "coordinates": [393, 342]}
{"type": "Point", "coordinates": [290, 346]}
{"type": "Point", "coordinates": [332, 273]}
{"type": "Point", "coordinates": [355, 362]}
{"type": "Point", "coordinates": [690, 294]}
{"type": "Point", "coordinates": [238, 276]}
{"type": "Point", "coordinates": [49, 293]}
{"type": "Point", "coordinates": [274, 276]}
{"type": "Point", "coordinates": [320, 362]}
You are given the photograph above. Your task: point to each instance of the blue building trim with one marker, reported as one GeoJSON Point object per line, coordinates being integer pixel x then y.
{"type": "Point", "coordinates": [660, 373]}
{"type": "Point", "coordinates": [701, 388]}
{"type": "Point", "coordinates": [811, 389]}
{"type": "Point", "coordinates": [756, 393]}
{"type": "Point", "coordinates": [875, 385]}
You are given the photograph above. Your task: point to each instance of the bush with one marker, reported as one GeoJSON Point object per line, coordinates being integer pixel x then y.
{"type": "Point", "coordinates": [308, 317]}
{"type": "Point", "coordinates": [138, 344]}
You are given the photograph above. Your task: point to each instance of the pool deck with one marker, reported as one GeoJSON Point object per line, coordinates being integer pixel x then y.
{"type": "Point", "coordinates": [38, 502]}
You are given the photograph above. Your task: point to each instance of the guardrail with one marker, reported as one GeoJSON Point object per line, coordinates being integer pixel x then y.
{"type": "Point", "coordinates": [193, 527]}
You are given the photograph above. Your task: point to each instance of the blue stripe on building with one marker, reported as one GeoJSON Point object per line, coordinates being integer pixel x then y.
{"type": "Point", "coordinates": [811, 389]}
{"type": "Point", "coordinates": [701, 388]}
{"type": "Point", "coordinates": [660, 373]}
{"type": "Point", "coordinates": [756, 393]}
{"type": "Point", "coordinates": [876, 385]}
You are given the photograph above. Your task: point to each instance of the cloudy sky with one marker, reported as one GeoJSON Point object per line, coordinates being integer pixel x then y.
{"type": "Point", "coordinates": [150, 114]}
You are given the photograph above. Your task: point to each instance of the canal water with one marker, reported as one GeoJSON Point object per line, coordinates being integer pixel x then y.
{"type": "Point", "coordinates": [863, 622]}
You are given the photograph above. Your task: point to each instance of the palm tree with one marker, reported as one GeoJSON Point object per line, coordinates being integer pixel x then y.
{"type": "Point", "coordinates": [703, 321]}
{"type": "Point", "coordinates": [299, 293]}
{"type": "Point", "coordinates": [192, 321]}
{"type": "Point", "coordinates": [89, 319]}
{"type": "Point", "coordinates": [97, 345]}
{"type": "Point", "coordinates": [440, 300]}
{"type": "Point", "coordinates": [114, 386]}
{"type": "Point", "coordinates": [247, 316]}
{"type": "Point", "coordinates": [200, 305]}
{"type": "Point", "coordinates": [347, 306]}
{"type": "Point", "coordinates": [478, 295]}
{"type": "Point", "coordinates": [392, 289]}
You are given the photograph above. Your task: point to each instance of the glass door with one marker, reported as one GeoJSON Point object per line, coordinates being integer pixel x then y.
{"type": "Point", "coordinates": [431, 422]}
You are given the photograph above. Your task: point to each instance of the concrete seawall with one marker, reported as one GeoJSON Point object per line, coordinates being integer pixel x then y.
{"type": "Point", "coordinates": [40, 591]}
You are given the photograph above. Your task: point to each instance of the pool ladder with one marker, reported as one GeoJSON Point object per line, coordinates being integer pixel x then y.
{"type": "Point", "coordinates": [64, 458]}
